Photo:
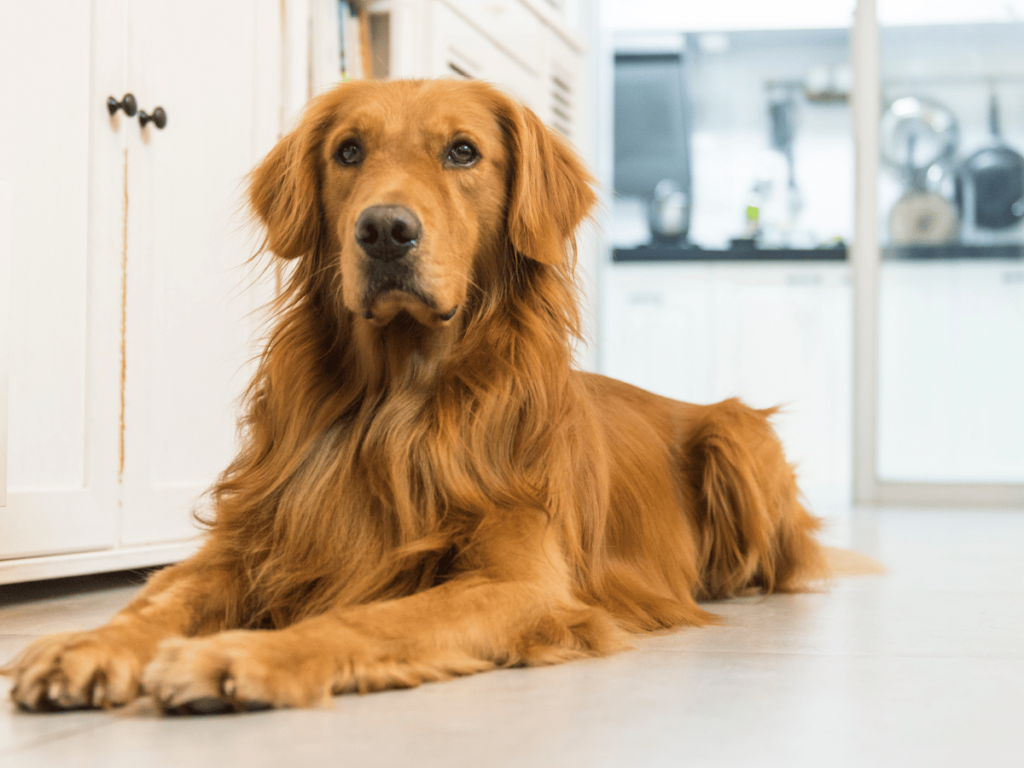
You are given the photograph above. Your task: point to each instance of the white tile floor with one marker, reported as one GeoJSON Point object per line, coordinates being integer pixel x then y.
{"type": "Point", "coordinates": [923, 666]}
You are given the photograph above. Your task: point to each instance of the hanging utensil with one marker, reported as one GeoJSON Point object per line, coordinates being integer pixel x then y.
{"type": "Point", "coordinates": [993, 179]}
{"type": "Point", "coordinates": [917, 132]}
{"type": "Point", "coordinates": [782, 125]}
{"type": "Point", "coordinates": [922, 218]}
{"type": "Point", "coordinates": [918, 138]}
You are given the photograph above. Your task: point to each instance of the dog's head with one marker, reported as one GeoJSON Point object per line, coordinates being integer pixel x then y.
{"type": "Point", "coordinates": [410, 186]}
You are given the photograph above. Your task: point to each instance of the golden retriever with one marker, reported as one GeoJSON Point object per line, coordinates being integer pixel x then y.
{"type": "Point", "coordinates": [426, 488]}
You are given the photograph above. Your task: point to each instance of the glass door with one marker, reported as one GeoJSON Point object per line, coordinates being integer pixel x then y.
{"type": "Point", "coordinates": [941, 298]}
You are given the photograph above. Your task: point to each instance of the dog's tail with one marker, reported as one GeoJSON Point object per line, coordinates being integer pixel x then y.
{"type": "Point", "coordinates": [752, 530]}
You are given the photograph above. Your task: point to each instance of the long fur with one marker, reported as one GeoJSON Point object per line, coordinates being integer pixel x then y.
{"type": "Point", "coordinates": [417, 499]}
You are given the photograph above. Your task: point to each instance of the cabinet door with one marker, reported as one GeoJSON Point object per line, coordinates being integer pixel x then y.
{"type": "Point", "coordinates": [784, 338]}
{"type": "Point", "coordinates": [460, 49]}
{"type": "Point", "coordinates": [561, 86]}
{"type": "Point", "coordinates": [951, 364]}
{"type": "Point", "coordinates": [5, 266]}
{"type": "Point", "coordinates": [189, 312]}
{"type": "Point", "coordinates": [61, 154]}
{"type": "Point", "coordinates": [509, 25]}
{"type": "Point", "coordinates": [769, 334]}
{"type": "Point", "coordinates": [657, 330]}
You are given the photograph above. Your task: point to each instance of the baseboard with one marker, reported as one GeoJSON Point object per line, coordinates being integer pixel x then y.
{"type": "Point", "coordinates": [81, 563]}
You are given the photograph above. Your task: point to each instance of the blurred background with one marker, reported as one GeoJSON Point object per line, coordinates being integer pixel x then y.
{"type": "Point", "coordinates": [819, 205]}
{"type": "Point", "coordinates": [806, 204]}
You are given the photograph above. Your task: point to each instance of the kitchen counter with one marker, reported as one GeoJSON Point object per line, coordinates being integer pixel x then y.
{"type": "Point", "coordinates": [743, 253]}
{"type": "Point", "coordinates": [956, 252]}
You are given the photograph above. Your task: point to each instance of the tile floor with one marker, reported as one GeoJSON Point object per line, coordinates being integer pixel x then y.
{"type": "Point", "coordinates": [923, 666]}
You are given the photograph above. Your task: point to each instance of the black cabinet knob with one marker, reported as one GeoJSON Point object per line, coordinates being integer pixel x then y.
{"type": "Point", "coordinates": [158, 118]}
{"type": "Point", "coordinates": [128, 104]}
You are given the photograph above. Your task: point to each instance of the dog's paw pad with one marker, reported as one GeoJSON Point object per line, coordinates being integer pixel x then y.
{"type": "Point", "coordinates": [256, 706]}
{"type": "Point", "coordinates": [205, 705]}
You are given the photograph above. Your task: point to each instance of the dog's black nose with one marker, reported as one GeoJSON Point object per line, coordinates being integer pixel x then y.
{"type": "Point", "coordinates": [387, 232]}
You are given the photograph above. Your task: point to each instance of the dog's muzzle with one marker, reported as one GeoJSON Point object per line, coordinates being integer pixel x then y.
{"type": "Point", "coordinates": [388, 235]}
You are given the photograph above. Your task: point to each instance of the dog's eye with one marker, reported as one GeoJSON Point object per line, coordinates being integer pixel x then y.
{"type": "Point", "coordinates": [349, 153]}
{"type": "Point", "coordinates": [463, 153]}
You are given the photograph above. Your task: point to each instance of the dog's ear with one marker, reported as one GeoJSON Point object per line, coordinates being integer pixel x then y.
{"type": "Point", "coordinates": [284, 191]}
{"type": "Point", "coordinates": [550, 189]}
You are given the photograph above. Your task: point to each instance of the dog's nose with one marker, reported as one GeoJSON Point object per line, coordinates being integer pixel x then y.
{"type": "Point", "coordinates": [387, 232]}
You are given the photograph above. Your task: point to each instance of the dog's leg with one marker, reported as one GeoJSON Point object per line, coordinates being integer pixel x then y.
{"type": "Point", "coordinates": [514, 607]}
{"type": "Point", "coordinates": [103, 667]}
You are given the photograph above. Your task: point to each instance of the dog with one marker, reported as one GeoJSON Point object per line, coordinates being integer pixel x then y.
{"type": "Point", "coordinates": [426, 488]}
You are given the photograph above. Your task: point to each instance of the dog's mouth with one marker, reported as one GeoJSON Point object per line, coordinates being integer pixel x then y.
{"type": "Point", "coordinates": [384, 307]}
{"type": "Point", "coordinates": [388, 296]}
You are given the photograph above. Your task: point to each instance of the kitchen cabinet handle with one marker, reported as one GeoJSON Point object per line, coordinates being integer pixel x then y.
{"type": "Point", "coordinates": [128, 104]}
{"type": "Point", "coordinates": [158, 118]}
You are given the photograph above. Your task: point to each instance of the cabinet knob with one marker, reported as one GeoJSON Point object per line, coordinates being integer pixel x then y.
{"type": "Point", "coordinates": [128, 104]}
{"type": "Point", "coordinates": [158, 118]}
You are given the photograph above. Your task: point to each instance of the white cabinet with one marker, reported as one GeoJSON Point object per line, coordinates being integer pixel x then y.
{"type": "Point", "coordinates": [514, 28]}
{"type": "Point", "coordinates": [62, 415]}
{"type": "Point", "coordinates": [458, 48]}
{"type": "Point", "coordinates": [188, 318]}
{"type": "Point", "coordinates": [562, 84]}
{"type": "Point", "coordinates": [656, 329]}
{"type": "Point", "coordinates": [5, 266]}
{"type": "Point", "coordinates": [132, 325]}
{"type": "Point", "coordinates": [519, 46]}
{"type": "Point", "coordinates": [951, 372]}
{"type": "Point", "coordinates": [771, 333]}
{"type": "Point", "coordinates": [131, 318]}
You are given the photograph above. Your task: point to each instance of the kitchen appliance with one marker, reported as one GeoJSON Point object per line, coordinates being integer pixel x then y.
{"type": "Point", "coordinates": [652, 131]}
{"type": "Point", "coordinates": [669, 211]}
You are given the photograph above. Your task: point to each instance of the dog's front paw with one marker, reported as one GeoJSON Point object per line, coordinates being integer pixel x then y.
{"type": "Point", "coordinates": [79, 670]}
{"type": "Point", "coordinates": [236, 671]}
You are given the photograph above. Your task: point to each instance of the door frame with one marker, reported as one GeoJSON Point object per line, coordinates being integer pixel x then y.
{"type": "Point", "coordinates": [865, 258]}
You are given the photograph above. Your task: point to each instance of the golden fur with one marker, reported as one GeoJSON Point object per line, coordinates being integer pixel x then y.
{"type": "Point", "coordinates": [423, 494]}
